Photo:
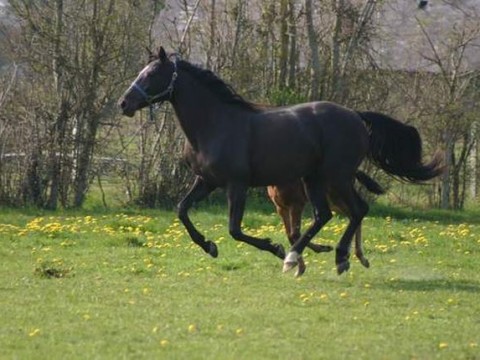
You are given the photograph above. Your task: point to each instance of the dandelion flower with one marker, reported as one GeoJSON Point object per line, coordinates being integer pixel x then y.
{"type": "Point", "coordinates": [442, 345]}
{"type": "Point", "coordinates": [163, 342]}
{"type": "Point", "coordinates": [34, 332]}
{"type": "Point", "coordinates": [192, 328]}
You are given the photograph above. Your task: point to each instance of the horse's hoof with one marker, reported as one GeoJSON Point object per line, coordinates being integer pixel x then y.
{"type": "Point", "coordinates": [301, 267]}
{"type": "Point", "coordinates": [320, 248]}
{"type": "Point", "coordinates": [365, 262]}
{"type": "Point", "coordinates": [291, 260]}
{"type": "Point", "coordinates": [279, 251]}
{"type": "Point", "coordinates": [325, 248]}
{"type": "Point", "coordinates": [212, 249]}
{"type": "Point", "coordinates": [343, 267]}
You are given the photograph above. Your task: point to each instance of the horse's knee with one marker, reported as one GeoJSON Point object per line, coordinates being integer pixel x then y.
{"type": "Point", "coordinates": [322, 217]}
{"type": "Point", "coordinates": [235, 233]}
{"type": "Point", "coordinates": [322, 212]}
{"type": "Point", "coordinates": [182, 210]}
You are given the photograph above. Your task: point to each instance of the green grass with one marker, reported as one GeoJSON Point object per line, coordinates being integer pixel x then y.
{"type": "Point", "coordinates": [132, 285]}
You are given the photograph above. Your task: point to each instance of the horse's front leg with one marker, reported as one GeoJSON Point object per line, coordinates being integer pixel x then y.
{"type": "Point", "coordinates": [199, 191]}
{"type": "Point", "coordinates": [237, 195]}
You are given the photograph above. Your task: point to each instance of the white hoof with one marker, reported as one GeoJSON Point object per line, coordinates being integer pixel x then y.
{"type": "Point", "coordinates": [291, 260]}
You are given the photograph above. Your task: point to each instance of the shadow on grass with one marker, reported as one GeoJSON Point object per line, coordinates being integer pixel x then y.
{"type": "Point", "coordinates": [433, 285]}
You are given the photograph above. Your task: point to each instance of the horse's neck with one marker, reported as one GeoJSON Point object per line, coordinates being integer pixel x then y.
{"type": "Point", "coordinates": [198, 111]}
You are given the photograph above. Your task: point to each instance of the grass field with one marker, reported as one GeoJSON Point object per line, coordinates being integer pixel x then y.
{"type": "Point", "coordinates": [132, 285]}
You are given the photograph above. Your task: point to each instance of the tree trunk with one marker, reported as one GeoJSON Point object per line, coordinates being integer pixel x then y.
{"type": "Point", "coordinates": [338, 8]}
{"type": "Point", "coordinates": [316, 70]}
{"type": "Point", "coordinates": [449, 147]}
{"type": "Point", "coordinates": [284, 40]}
{"type": "Point", "coordinates": [211, 44]}
{"type": "Point", "coordinates": [472, 163]}
{"type": "Point", "coordinates": [292, 32]}
{"type": "Point", "coordinates": [59, 128]}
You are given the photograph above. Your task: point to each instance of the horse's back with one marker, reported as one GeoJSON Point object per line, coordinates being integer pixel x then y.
{"type": "Point", "coordinates": [287, 143]}
{"type": "Point", "coordinates": [342, 128]}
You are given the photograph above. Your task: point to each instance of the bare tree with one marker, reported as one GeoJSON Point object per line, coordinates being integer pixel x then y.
{"type": "Point", "coordinates": [455, 101]}
{"type": "Point", "coordinates": [76, 54]}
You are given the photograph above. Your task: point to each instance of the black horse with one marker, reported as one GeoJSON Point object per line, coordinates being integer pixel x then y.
{"type": "Point", "coordinates": [235, 144]}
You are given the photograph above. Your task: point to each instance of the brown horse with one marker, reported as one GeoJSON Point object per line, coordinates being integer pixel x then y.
{"type": "Point", "coordinates": [290, 200]}
{"type": "Point", "coordinates": [234, 144]}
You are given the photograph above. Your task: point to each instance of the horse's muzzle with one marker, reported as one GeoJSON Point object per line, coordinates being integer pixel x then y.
{"type": "Point", "coordinates": [126, 110]}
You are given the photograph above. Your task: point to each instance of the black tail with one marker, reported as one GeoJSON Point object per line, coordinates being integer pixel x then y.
{"type": "Point", "coordinates": [397, 149]}
{"type": "Point", "coordinates": [370, 184]}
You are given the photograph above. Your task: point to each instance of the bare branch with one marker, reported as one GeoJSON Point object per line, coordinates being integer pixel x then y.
{"type": "Point", "coordinates": [3, 95]}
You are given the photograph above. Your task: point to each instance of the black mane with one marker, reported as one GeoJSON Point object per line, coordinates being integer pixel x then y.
{"type": "Point", "coordinates": [220, 88]}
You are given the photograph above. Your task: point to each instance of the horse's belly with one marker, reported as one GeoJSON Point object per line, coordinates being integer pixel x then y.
{"type": "Point", "coordinates": [280, 170]}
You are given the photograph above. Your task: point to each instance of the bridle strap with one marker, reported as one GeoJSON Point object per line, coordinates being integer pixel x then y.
{"type": "Point", "coordinates": [168, 91]}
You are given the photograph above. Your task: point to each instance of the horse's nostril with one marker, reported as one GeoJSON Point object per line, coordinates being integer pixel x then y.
{"type": "Point", "coordinates": [123, 104]}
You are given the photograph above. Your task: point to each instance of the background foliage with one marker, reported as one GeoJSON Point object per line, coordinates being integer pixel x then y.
{"type": "Point", "coordinates": [65, 64]}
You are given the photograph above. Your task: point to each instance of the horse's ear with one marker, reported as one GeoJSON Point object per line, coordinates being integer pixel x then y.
{"type": "Point", "coordinates": [162, 55]}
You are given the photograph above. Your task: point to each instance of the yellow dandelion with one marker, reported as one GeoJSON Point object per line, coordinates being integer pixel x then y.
{"type": "Point", "coordinates": [442, 345]}
{"type": "Point", "coordinates": [192, 328]}
{"type": "Point", "coordinates": [34, 332]}
{"type": "Point", "coordinates": [239, 331]}
{"type": "Point", "coordinates": [343, 295]}
{"type": "Point", "coordinates": [163, 342]}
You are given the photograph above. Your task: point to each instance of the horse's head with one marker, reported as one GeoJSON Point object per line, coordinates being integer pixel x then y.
{"type": "Point", "coordinates": [153, 84]}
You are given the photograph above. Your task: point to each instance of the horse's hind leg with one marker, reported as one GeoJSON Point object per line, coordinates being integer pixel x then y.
{"type": "Point", "coordinates": [199, 190]}
{"type": "Point", "coordinates": [237, 194]}
{"type": "Point", "coordinates": [359, 248]}
{"type": "Point", "coordinates": [291, 217]}
{"type": "Point", "coordinates": [321, 213]}
{"type": "Point", "coordinates": [295, 217]}
{"type": "Point", "coordinates": [357, 209]}
{"type": "Point", "coordinates": [289, 201]}
{"type": "Point", "coordinates": [342, 209]}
